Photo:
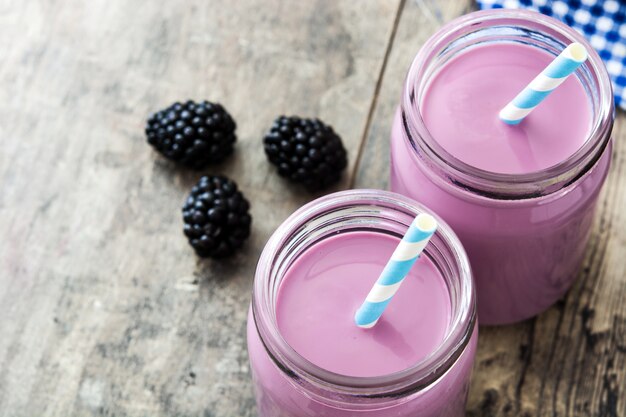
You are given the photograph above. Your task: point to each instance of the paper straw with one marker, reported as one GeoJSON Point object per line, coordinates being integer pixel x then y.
{"type": "Point", "coordinates": [398, 267]}
{"type": "Point", "coordinates": [550, 78]}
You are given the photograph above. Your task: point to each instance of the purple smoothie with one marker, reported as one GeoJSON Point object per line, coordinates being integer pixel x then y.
{"type": "Point", "coordinates": [524, 252]}
{"type": "Point", "coordinates": [460, 109]}
{"type": "Point", "coordinates": [309, 358]}
{"type": "Point", "coordinates": [322, 290]}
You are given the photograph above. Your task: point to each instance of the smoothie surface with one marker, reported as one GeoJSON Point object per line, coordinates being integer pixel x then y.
{"type": "Point", "coordinates": [325, 286]}
{"type": "Point", "coordinates": [461, 104]}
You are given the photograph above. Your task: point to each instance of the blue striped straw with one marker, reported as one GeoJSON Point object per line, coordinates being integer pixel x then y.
{"type": "Point", "coordinates": [398, 267]}
{"type": "Point", "coordinates": [550, 78]}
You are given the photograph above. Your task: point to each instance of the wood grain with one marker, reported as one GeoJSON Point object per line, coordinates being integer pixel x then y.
{"type": "Point", "coordinates": [105, 309]}
{"type": "Point", "coordinates": [571, 360]}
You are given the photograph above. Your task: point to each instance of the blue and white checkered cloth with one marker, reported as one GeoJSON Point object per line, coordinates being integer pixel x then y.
{"type": "Point", "coordinates": [602, 22]}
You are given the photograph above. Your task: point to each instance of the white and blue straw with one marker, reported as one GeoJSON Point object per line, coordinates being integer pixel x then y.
{"type": "Point", "coordinates": [398, 267]}
{"type": "Point", "coordinates": [550, 78]}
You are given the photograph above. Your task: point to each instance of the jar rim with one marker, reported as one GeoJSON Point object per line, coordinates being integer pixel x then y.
{"type": "Point", "coordinates": [494, 185]}
{"type": "Point", "coordinates": [352, 388]}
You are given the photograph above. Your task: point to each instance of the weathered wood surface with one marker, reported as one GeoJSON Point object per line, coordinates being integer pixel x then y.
{"type": "Point", "coordinates": [104, 309]}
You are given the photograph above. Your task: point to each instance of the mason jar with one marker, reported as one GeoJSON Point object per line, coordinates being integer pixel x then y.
{"type": "Point", "coordinates": [287, 384]}
{"type": "Point", "coordinates": [525, 234]}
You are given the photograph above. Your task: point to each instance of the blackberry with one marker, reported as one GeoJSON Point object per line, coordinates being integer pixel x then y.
{"type": "Point", "coordinates": [306, 151]}
{"type": "Point", "coordinates": [216, 217]}
{"type": "Point", "coordinates": [193, 134]}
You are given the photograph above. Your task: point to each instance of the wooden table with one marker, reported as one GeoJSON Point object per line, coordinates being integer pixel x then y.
{"type": "Point", "coordinates": [105, 310]}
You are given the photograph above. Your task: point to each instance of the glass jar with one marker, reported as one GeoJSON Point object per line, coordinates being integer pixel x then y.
{"type": "Point", "coordinates": [286, 384]}
{"type": "Point", "coordinates": [525, 235]}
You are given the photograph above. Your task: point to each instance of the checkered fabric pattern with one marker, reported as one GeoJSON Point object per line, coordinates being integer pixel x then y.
{"type": "Point", "coordinates": [602, 22]}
